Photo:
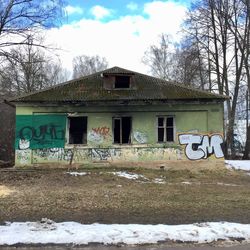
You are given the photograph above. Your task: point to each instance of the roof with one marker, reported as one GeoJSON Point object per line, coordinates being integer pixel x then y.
{"type": "Point", "coordinates": [91, 88]}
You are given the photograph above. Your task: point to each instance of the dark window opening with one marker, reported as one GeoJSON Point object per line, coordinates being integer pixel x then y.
{"type": "Point", "coordinates": [122, 82]}
{"type": "Point", "coordinates": [165, 129]}
{"type": "Point", "coordinates": [77, 130]}
{"type": "Point", "coordinates": [122, 130]}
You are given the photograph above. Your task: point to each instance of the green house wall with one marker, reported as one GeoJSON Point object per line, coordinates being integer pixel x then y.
{"type": "Point", "coordinates": [41, 133]}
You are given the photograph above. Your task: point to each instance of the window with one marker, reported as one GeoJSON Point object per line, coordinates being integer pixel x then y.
{"type": "Point", "coordinates": [122, 82]}
{"type": "Point", "coordinates": [122, 130]}
{"type": "Point", "coordinates": [77, 130]}
{"type": "Point", "coordinates": [166, 129]}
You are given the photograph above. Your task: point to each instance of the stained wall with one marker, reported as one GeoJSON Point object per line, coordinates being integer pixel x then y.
{"type": "Point", "coordinates": [42, 132]}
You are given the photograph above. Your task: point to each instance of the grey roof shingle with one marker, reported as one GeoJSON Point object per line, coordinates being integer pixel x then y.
{"type": "Point", "coordinates": [90, 88]}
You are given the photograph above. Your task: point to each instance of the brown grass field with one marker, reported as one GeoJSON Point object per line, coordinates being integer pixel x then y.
{"type": "Point", "coordinates": [185, 196]}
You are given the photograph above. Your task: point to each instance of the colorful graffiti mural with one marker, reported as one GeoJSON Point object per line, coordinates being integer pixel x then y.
{"type": "Point", "coordinates": [40, 131]}
{"type": "Point", "coordinates": [200, 146]}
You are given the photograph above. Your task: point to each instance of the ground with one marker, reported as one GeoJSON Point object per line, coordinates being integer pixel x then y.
{"type": "Point", "coordinates": [155, 196]}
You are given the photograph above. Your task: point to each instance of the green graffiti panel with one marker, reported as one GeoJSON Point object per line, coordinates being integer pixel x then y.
{"type": "Point", "coordinates": [40, 131]}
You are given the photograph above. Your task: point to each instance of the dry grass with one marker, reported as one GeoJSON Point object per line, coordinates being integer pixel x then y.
{"type": "Point", "coordinates": [5, 191]}
{"type": "Point", "coordinates": [186, 196]}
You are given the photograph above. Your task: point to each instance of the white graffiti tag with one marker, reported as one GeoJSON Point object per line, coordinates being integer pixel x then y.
{"type": "Point", "coordinates": [24, 144]}
{"type": "Point", "coordinates": [140, 137]}
{"type": "Point", "coordinates": [202, 146]}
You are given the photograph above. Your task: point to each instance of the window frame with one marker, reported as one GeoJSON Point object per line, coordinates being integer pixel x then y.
{"type": "Point", "coordinates": [68, 129]}
{"type": "Point", "coordinates": [119, 88]}
{"type": "Point", "coordinates": [113, 127]}
{"type": "Point", "coordinates": [165, 127]}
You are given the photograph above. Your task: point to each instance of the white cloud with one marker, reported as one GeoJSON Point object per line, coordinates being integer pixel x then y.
{"type": "Point", "coordinates": [100, 12]}
{"type": "Point", "coordinates": [132, 6]}
{"type": "Point", "coordinates": [73, 10]}
{"type": "Point", "coordinates": [122, 41]}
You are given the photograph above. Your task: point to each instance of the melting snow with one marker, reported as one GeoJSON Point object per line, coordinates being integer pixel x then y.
{"type": "Point", "coordinates": [77, 173]}
{"type": "Point", "coordinates": [186, 183]}
{"type": "Point", "coordinates": [75, 233]}
{"type": "Point", "coordinates": [130, 176]}
{"type": "Point", "coordinates": [242, 165]}
{"type": "Point", "coordinates": [159, 181]}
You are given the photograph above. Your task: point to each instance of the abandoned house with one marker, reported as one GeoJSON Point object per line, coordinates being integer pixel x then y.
{"type": "Point", "coordinates": [115, 116]}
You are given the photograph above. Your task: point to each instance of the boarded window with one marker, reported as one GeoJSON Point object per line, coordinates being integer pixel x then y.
{"type": "Point", "coordinates": [166, 129]}
{"type": "Point", "coordinates": [122, 82]}
{"type": "Point", "coordinates": [77, 130]}
{"type": "Point", "coordinates": [122, 130]}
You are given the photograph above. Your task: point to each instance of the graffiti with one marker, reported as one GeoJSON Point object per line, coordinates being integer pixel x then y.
{"type": "Point", "coordinates": [43, 134]}
{"type": "Point", "coordinates": [87, 155]}
{"type": "Point", "coordinates": [53, 154]}
{"type": "Point", "coordinates": [40, 131]}
{"type": "Point", "coordinates": [23, 156]}
{"type": "Point", "coordinates": [103, 131]}
{"type": "Point", "coordinates": [152, 153]}
{"type": "Point", "coordinates": [94, 137]}
{"type": "Point", "coordinates": [98, 135]}
{"type": "Point", "coordinates": [24, 144]}
{"type": "Point", "coordinates": [140, 137]}
{"type": "Point", "coordinates": [104, 154]}
{"type": "Point", "coordinates": [202, 146]}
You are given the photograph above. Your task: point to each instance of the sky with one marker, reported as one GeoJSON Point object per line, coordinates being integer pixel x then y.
{"type": "Point", "coordinates": [121, 31]}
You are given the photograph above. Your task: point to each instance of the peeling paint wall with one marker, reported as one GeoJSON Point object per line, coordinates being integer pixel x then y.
{"type": "Point", "coordinates": [105, 154]}
{"type": "Point", "coordinates": [41, 134]}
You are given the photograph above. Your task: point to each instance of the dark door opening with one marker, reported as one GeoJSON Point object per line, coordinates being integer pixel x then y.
{"type": "Point", "coordinates": [122, 130]}
{"type": "Point", "coordinates": [78, 130]}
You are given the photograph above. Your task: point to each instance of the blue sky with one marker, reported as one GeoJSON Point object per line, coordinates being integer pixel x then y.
{"type": "Point", "coordinates": [120, 30]}
{"type": "Point", "coordinates": [78, 9]}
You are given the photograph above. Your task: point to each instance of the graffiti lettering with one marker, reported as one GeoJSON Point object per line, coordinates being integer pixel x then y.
{"type": "Point", "coordinates": [44, 134]}
{"type": "Point", "coordinates": [61, 154]}
{"type": "Point", "coordinates": [104, 154]}
{"type": "Point", "coordinates": [94, 137]}
{"type": "Point", "coordinates": [202, 146]}
{"type": "Point", "coordinates": [103, 131]}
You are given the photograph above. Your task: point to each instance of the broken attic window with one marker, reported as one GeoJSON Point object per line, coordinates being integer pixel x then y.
{"type": "Point", "coordinates": [122, 130]}
{"type": "Point", "coordinates": [166, 129]}
{"type": "Point", "coordinates": [122, 82]}
{"type": "Point", "coordinates": [77, 130]}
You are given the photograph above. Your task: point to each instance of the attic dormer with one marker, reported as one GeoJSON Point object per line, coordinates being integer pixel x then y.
{"type": "Point", "coordinates": [118, 81]}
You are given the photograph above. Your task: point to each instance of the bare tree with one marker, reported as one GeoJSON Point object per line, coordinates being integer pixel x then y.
{"type": "Point", "coordinates": [159, 58]}
{"type": "Point", "coordinates": [221, 29]}
{"type": "Point", "coordinates": [181, 64]}
{"type": "Point", "coordinates": [19, 17]}
{"type": "Point", "coordinates": [189, 68]}
{"type": "Point", "coordinates": [29, 69]}
{"type": "Point", "coordinates": [84, 65]}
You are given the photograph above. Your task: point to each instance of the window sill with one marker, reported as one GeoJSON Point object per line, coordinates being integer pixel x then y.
{"type": "Point", "coordinates": [70, 146]}
{"type": "Point", "coordinates": [166, 142]}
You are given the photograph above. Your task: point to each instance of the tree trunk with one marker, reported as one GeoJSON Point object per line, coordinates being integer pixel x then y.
{"type": "Point", "coordinates": [246, 155]}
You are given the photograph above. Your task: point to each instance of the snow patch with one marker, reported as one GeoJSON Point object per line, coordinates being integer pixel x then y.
{"type": "Point", "coordinates": [49, 232]}
{"type": "Point", "coordinates": [239, 165]}
{"type": "Point", "coordinates": [159, 181]}
{"type": "Point", "coordinates": [77, 173]}
{"type": "Point", "coordinates": [186, 182]}
{"type": "Point", "coordinates": [130, 176]}
{"type": "Point", "coordinates": [141, 178]}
